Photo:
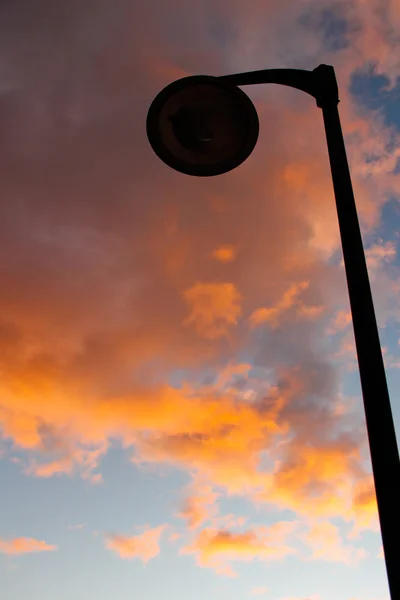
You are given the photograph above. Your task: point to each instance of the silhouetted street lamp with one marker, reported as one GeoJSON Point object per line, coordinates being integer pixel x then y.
{"type": "Point", "coordinates": [205, 126]}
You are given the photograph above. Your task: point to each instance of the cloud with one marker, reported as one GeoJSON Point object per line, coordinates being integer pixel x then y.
{"type": "Point", "coordinates": [379, 254]}
{"type": "Point", "coordinates": [200, 505]}
{"type": "Point", "coordinates": [143, 546]}
{"type": "Point", "coordinates": [84, 460]}
{"type": "Point", "coordinates": [290, 300]}
{"type": "Point", "coordinates": [24, 545]}
{"type": "Point", "coordinates": [265, 315]}
{"type": "Point", "coordinates": [224, 436]}
{"type": "Point", "coordinates": [326, 544]}
{"type": "Point", "coordinates": [221, 439]}
{"type": "Point", "coordinates": [225, 253]}
{"type": "Point", "coordinates": [342, 320]}
{"type": "Point", "coordinates": [365, 506]}
{"type": "Point", "coordinates": [217, 549]}
{"type": "Point", "coordinates": [214, 308]}
{"type": "Point", "coordinates": [65, 465]}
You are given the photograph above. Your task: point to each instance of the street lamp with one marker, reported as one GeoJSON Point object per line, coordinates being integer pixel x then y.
{"type": "Point", "coordinates": [205, 126]}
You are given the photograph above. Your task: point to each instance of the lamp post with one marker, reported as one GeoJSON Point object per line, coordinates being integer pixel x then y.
{"type": "Point", "coordinates": [204, 126]}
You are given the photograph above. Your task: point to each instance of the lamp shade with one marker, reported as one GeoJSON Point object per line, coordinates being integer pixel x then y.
{"type": "Point", "coordinates": [202, 126]}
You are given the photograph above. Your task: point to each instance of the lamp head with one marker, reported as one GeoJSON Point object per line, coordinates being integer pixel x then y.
{"type": "Point", "coordinates": [202, 126]}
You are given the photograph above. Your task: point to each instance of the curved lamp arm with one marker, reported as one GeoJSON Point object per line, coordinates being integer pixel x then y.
{"type": "Point", "coordinates": [320, 83]}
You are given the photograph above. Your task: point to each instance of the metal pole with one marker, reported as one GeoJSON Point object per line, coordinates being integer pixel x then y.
{"type": "Point", "coordinates": [380, 426]}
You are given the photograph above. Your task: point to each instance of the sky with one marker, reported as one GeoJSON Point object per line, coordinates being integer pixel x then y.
{"type": "Point", "coordinates": [180, 407]}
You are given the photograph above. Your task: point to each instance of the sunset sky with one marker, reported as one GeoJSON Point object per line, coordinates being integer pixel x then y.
{"type": "Point", "coordinates": [180, 408]}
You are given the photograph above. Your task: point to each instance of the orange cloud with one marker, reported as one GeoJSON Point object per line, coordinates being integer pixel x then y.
{"type": "Point", "coordinates": [289, 300]}
{"type": "Point", "coordinates": [225, 253]}
{"type": "Point", "coordinates": [364, 507]}
{"type": "Point", "coordinates": [210, 428]}
{"type": "Point", "coordinates": [200, 505]}
{"type": "Point", "coordinates": [217, 549]}
{"type": "Point", "coordinates": [320, 481]}
{"type": "Point", "coordinates": [263, 315]}
{"type": "Point", "coordinates": [220, 437]}
{"type": "Point", "coordinates": [24, 546]}
{"type": "Point", "coordinates": [214, 308]}
{"type": "Point", "coordinates": [216, 432]}
{"type": "Point", "coordinates": [144, 546]}
{"type": "Point", "coordinates": [224, 438]}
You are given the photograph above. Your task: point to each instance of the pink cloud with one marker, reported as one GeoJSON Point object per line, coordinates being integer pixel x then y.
{"type": "Point", "coordinates": [24, 545]}
{"type": "Point", "coordinates": [326, 543]}
{"type": "Point", "coordinates": [200, 505]}
{"type": "Point", "coordinates": [143, 546]}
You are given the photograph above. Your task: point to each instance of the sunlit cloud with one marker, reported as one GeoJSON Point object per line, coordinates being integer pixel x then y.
{"type": "Point", "coordinates": [291, 301]}
{"type": "Point", "coordinates": [365, 507]}
{"type": "Point", "coordinates": [225, 253]}
{"type": "Point", "coordinates": [24, 545]}
{"type": "Point", "coordinates": [326, 544]}
{"type": "Point", "coordinates": [143, 546]}
{"type": "Point", "coordinates": [214, 308]}
{"type": "Point", "coordinates": [85, 460]}
{"type": "Point", "coordinates": [271, 315]}
{"type": "Point", "coordinates": [200, 505]}
{"type": "Point", "coordinates": [218, 549]}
